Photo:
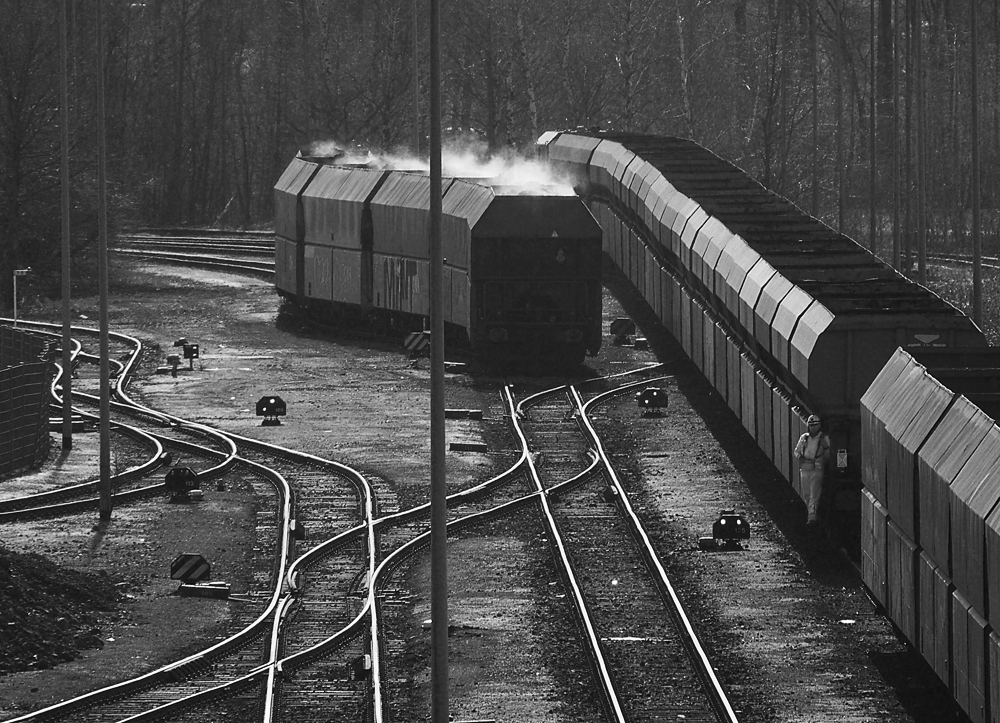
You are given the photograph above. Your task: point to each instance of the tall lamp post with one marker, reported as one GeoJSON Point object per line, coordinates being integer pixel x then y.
{"type": "Point", "coordinates": [18, 272]}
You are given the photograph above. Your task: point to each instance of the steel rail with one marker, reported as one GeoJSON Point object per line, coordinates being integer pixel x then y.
{"type": "Point", "coordinates": [722, 701]}
{"type": "Point", "coordinates": [249, 246]}
{"type": "Point", "coordinates": [538, 396]}
{"type": "Point", "coordinates": [181, 256]}
{"type": "Point", "coordinates": [61, 508]}
{"type": "Point", "coordinates": [121, 381]}
{"type": "Point", "coordinates": [368, 614]}
{"type": "Point", "coordinates": [261, 269]}
{"type": "Point", "coordinates": [989, 262]}
{"type": "Point", "coordinates": [608, 690]}
{"type": "Point", "coordinates": [405, 552]}
{"type": "Point", "coordinates": [270, 672]}
{"type": "Point", "coordinates": [156, 460]}
{"type": "Point", "coordinates": [366, 529]}
{"type": "Point", "coordinates": [181, 705]}
{"type": "Point", "coordinates": [189, 665]}
{"type": "Point", "coordinates": [208, 234]}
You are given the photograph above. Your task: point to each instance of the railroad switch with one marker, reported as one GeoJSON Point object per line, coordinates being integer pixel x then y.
{"type": "Point", "coordinates": [270, 408]}
{"type": "Point", "coordinates": [652, 401]}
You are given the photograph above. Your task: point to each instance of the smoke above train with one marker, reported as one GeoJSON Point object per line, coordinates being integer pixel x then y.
{"type": "Point", "coordinates": [467, 160]}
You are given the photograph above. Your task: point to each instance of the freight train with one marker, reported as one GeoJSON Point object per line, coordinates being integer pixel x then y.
{"type": "Point", "coordinates": [786, 318]}
{"type": "Point", "coordinates": [930, 528]}
{"type": "Point", "coordinates": [522, 269]}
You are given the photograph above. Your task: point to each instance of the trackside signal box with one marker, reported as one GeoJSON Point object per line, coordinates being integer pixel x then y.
{"type": "Point", "coordinates": [191, 353]}
{"type": "Point", "coordinates": [652, 400]}
{"type": "Point", "coordinates": [180, 482]}
{"type": "Point", "coordinates": [730, 527]}
{"type": "Point", "coordinates": [270, 408]}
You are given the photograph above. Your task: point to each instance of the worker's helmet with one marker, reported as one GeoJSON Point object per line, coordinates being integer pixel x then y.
{"type": "Point", "coordinates": [813, 419]}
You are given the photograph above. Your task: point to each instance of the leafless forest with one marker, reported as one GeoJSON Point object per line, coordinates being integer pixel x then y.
{"type": "Point", "coordinates": [206, 100]}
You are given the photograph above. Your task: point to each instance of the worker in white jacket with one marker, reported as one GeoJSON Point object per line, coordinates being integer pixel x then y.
{"type": "Point", "coordinates": [812, 451]}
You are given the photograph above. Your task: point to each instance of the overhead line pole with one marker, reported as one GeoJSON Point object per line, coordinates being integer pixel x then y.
{"type": "Point", "coordinates": [921, 151]}
{"type": "Point", "coordinates": [839, 105]}
{"type": "Point", "coordinates": [814, 69]}
{"type": "Point", "coordinates": [102, 262]}
{"type": "Point", "coordinates": [67, 340]}
{"type": "Point", "coordinates": [439, 490]}
{"type": "Point", "coordinates": [977, 234]}
{"type": "Point", "coordinates": [416, 81]}
{"type": "Point", "coordinates": [896, 142]}
{"type": "Point", "coordinates": [872, 131]}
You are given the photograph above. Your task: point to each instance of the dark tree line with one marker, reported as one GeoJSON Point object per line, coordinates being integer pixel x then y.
{"type": "Point", "coordinates": [208, 99]}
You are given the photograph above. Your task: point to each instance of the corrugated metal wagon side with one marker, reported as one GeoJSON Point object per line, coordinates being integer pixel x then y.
{"type": "Point", "coordinates": [289, 227]}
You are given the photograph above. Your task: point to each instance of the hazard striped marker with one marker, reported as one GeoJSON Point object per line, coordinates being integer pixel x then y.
{"type": "Point", "coordinates": [189, 567]}
{"type": "Point", "coordinates": [417, 342]}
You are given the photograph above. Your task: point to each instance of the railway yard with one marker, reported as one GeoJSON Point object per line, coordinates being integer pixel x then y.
{"type": "Point", "coordinates": [500, 363]}
{"type": "Point", "coordinates": [784, 619]}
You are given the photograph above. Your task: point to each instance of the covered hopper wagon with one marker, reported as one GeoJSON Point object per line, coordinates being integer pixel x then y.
{"type": "Point", "coordinates": [522, 271]}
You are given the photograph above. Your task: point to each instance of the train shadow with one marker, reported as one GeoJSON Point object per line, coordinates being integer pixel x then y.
{"type": "Point", "coordinates": [918, 689]}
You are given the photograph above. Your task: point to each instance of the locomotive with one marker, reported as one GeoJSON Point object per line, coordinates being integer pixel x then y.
{"type": "Point", "coordinates": [784, 316]}
{"type": "Point", "coordinates": [522, 268]}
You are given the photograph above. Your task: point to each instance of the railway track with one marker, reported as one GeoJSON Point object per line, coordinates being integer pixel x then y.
{"type": "Point", "coordinates": [646, 654]}
{"type": "Point", "coordinates": [306, 651]}
{"type": "Point", "coordinates": [316, 643]}
{"type": "Point", "coordinates": [224, 663]}
{"type": "Point", "coordinates": [963, 260]}
{"type": "Point", "coordinates": [314, 657]}
{"type": "Point", "coordinates": [249, 253]}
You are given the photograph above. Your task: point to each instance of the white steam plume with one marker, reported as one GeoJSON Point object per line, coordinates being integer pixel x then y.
{"type": "Point", "coordinates": [461, 160]}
